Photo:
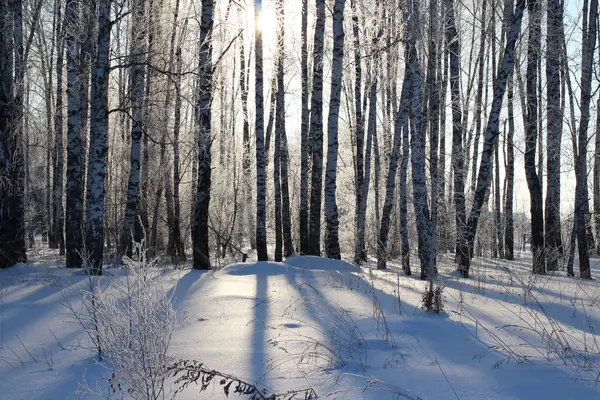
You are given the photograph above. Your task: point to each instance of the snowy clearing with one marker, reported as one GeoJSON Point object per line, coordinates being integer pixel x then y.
{"type": "Point", "coordinates": [327, 325]}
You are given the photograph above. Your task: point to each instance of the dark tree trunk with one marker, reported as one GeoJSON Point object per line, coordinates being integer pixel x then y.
{"type": "Point", "coordinates": [12, 245]}
{"type": "Point", "coordinates": [76, 87]}
{"type": "Point", "coordinates": [590, 25]}
{"type": "Point", "coordinates": [531, 138]}
{"type": "Point", "coordinates": [281, 135]}
{"type": "Point", "coordinates": [359, 247]}
{"type": "Point", "coordinates": [58, 212]}
{"type": "Point", "coordinates": [554, 247]}
{"type": "Point", "coordinates": [204, 136]}
{"type": "Point", "coordinates": [316, 133]}
{"type": "Point", "coordinates": [458, 161]}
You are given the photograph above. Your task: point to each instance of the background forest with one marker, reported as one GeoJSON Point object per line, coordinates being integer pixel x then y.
{"type": "Point", "coordinates": [352, 128]}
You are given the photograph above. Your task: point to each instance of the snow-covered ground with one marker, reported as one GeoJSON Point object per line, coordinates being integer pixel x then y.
{"type": "Point", "coordinates": [346, 332]}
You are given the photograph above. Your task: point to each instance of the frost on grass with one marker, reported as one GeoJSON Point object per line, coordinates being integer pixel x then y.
{"type": "Point", "coordinates": [133, 324]}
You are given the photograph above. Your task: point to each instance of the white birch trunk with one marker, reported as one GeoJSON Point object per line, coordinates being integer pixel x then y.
{"type": "Point", "coordinates": [131, 225]}
{"type": "Point", "coordinates": [332, 242]}
{"type": "Point", "coordinates": [316, 134]}
{"type": "Point", "coordinates": [96, 171]}
{"type": "Point", "coordinates": [261, 206]}
{"type": "Point", "coordinates": [75, 124]}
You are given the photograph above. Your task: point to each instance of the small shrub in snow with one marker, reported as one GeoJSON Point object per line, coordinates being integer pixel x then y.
{"type": "Point", "coordinates": [134, 321]}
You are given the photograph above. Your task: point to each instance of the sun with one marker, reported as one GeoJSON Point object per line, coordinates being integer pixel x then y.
{"type": "Point", "coordinates": [267, 22]}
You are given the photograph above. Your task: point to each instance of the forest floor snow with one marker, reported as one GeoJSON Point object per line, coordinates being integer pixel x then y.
{"type": "Point", "coordinates": [308, 322]}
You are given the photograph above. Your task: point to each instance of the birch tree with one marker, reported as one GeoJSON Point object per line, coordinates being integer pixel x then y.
{"type": "Point", "coordinates": [304, 134]}
{"type": "Point", "coordinates": [588, 43]}
{"type": "Point", "coordinates": [427, 250]}
{"type": "Point", "coordinates": [359, 241]}
{"type": "Point", "coordinates": [531, 137]}
{"type": "Point", "coordinates": [96, 171]}
{"type": "Point", "coordinates": [281, 135]}
{"type": "Point", "coordinates": [261, 206]}
{"type": "Point", "coordinates": [203, 128]}
{"type": "Point", "coordinates": [76, 90]}
{"type": "Point", "coordinates": [58, 212]}
{"type": "Point", "coordinates": [553, 243]}
{"type": "Point", "coordinates": [316, 133]}
{"type": "Point", "coordinates": [400, 124]}
{"type": "Point", "coordinates": [132, 226]}
{"type": "Point", "coordinates": [509, 253]}
{"type": "Point", "coordinates": [458, 161]}
{"type": "Point", "coordinates": [332, 241]}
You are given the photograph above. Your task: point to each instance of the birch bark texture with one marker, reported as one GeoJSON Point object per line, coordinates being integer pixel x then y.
{"type": "Point", "coordinates": [554, 247]}
{"type": "Point", "coordinates": [304, 135]}
{"type": "Point", "coordinates": [200, 235]}
{"type": "Point", "coordinates": [261, 206]}
{"type": "Point", "coordinates": [96, 171]}
{"type": "Point", "coordinates": [76, 87]}
{"type": "Point", "coordinates": [426, 244]}
{"type": "Point", "coordinates": [589, 32]}
{"type": "Point", "coordinates": [332, 223]}
{"type": "Point", "coordinates": [316, 134]}
{"type": "Point", "coordinates": [132, 225]}
{"type": "Point", "coordinates": [531, 137]}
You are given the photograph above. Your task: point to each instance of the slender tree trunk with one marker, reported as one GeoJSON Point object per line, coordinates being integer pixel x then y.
{"type": "Point", "coordinates": [58, 214]}
{"type": "Point", "coordinates": [132, 215]}
{"type": "Point", "coordinates": [443, 72]}
{"type": "Point", "coordinates": [204, 136]}
{"type": "Point", "coordinates": [509, 231]}
{"type": "Point", "coordinates": [596, 187]}
{"type": "Point", "coordinates": [364, 196]}
{"type": "Point", "coordinates": [261, 207]}
{"type": "Point", "coordinates": [96, 171]}
{"type": "Point", "coordinates": [178, 242]}
{"type": "Point", "coordinates": [479, 94]}
{"type": "Point", "coordinates": [458, 160]}
{"type": "Point", "coordinates": [304, 133]}
{"type": "Point", "coordinates": [554, 248]}
{"type": "Point", "coordinates": [403, 200]}
{"type": "Point", "coordinates": [499, 242]}
{"type": "Point", "coordinates": [280, 126]}
{"type": "Point", "coordinates": [75, 125]}
{"type": "Point", "coordinates": [531, 137]}
{"type": "Point", "coordinates": [359, 245]}
{"type": "Point", "coordinates": [316, 133]}
{"type": "Point", "coordinates": [590, 26]}
{"type": "Point", "coordinates": [332, 241]}
{"type": "Point", "coordinates": [401, 121]}
{"type": "Point", "coordinates": [246, 157]}
{"type": "Point", "coordinates": [427, 250]}
{"type": "Point", "coordinates": [281, 135]}
{"type": "Point", "coordinates": [433, 117]}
